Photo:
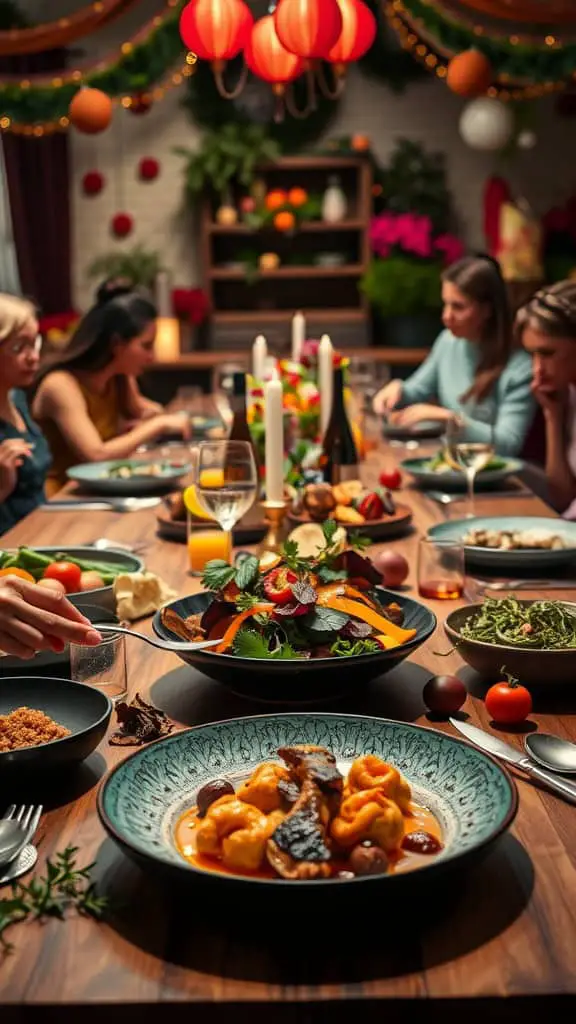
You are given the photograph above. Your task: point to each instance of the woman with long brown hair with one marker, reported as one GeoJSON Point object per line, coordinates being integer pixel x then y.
{"type": "Point", "coordinates": [546, 326]}
{"type": "Point", "coordinates": [474, 373]}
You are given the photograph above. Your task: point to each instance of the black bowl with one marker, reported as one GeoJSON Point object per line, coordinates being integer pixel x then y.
{"type": "Point", "coordinates": [84, 710]}
{"type": "Point", "coordinates": [299, 681]}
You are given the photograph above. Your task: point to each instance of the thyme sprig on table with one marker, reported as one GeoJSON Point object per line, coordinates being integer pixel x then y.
{"type": "Point", "coordinates": [63, 886]}
{"type": "Point", "coordinates": [542, 625]}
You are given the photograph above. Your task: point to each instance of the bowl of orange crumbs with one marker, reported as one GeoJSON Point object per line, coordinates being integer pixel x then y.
{"type": "Point", "coordinates": [47, 723]}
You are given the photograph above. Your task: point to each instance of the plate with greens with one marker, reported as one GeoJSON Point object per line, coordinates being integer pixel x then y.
{"type": "Point", "coordinates": [128, 477]}
{"type": "Point", "coordinates": [534, 641]}
{"type": "Point", "coordinates": [437, 472]}
{"type": "Point", "coordinates": [511, 543]}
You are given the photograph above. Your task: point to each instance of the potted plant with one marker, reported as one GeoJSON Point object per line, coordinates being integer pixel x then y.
{"type": "Point", "coordinates": [138, 265]}
{"type": "Point", "coordinates": [229, 155]}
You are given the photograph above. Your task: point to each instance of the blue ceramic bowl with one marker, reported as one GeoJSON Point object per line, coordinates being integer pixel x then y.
{"type": "Point", "coordinates": [532, 560]}
{"type": "Point", "coordinates": [93, 477]}
{"type": "Point", "coordinates": [299, 681]}
{"type": "Point", "coordinates": [452, 480]}
{"type": "Point", "coordinates": [140, 802]}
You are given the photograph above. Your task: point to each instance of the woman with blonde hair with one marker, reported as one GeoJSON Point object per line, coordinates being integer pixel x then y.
{"type": "Point", "coordinates": [24, 452]}
{"type": "Point", "coordinates": [546, 326]}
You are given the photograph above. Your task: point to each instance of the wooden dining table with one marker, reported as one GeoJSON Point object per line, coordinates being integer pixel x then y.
{"type": "Point", "coordinates": [497, 942]}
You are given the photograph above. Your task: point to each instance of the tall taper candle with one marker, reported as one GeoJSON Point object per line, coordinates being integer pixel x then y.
{"type": "Point", "coordinates": [259, 354]}
{"type": "Point", "coordinates": [325, 380]}
{"type": "Point", "coordinates": [298, 335]}
{"type": "Point", "coordinates": [274, 433]}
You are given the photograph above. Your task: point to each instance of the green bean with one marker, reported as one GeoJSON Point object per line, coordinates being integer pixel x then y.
{"type": "Point", "coordinates": [542, 625]}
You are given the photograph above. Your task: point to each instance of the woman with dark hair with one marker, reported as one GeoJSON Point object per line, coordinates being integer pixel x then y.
{"type": "Point", "coordinates": [473, 373]}
{"type": "Point", "coordinates": [89, 395]}
{"type": "Point", "coordinates": [546, 326]}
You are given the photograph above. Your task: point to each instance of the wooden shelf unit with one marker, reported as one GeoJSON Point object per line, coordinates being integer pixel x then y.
{"type": "Point", "coordinates": [245, 303]}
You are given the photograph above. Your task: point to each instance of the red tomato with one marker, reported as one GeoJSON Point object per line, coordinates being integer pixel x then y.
{"type": "Point", "coordinates": [278, 585]}
{"type": "Point", "coordinates": [508, 702]}
{"type": "Point", "coordinates": [391, 478]}
{"type": "Point", "coordinates": [66, 573]}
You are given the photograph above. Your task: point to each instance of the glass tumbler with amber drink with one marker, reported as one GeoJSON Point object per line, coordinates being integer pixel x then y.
{"type": "Point", "coordinates": [441, 569]}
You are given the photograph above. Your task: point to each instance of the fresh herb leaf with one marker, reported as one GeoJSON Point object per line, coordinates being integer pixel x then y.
{"type": "Point", "coordinates": [217, 574]}
{"type": "Point", "coordinates": [349, 648]}
{"type": "Point", "coordinates": [250, 644]}
{"type": "Point", "coordinates": [286, 652]}
{"type": "Point", "coordinates": [247, 572]}
{"type": "Point", "coordinates": [358, 541]}
{"type": "Point", "coordinates": [287, 611]}
{"type": "Point", "coordinates": [64, 886]}
{"type": "Point", "coordinates": [357, 630]}
{"type": "Point", "coordinates": [292, 559]}
{"type": "Point", "coordinates": [329, 527]}
{"type": "Point", "coordinates": [325, 620]}
{"type": "Point", "coordinates": [327, 575]}
{"type": "Point", "coordinates": [304, 592]}
{"type": "Point", "coordinates": [245, 601]}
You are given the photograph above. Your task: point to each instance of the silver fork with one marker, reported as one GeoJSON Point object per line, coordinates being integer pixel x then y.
{"type": "Point", "coordinates": [27, 818]}
{"type": "Point", "coordinates": [164, 645]}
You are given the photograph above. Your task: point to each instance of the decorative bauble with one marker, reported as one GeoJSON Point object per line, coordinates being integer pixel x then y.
{"type": "Point", "coordinates": [527, 139]}
{"type": "Point", "coordinates": [148, 168]}
{"type": "Point", "coordinates": [308, 28]}
{"type": "Point", "coordinates": [358, 32]}
{"type": "Point", "coordinates": [215, 30]}
{"type": "Point", "coordinates": [469, 73]}
{"type": "Point", "coordinates": [90, 111]}
{"type": "Point", "coordinates": [267, 58]}
{"type": "Point", "coordinates": [92, 183]}
{"type": "Point", "coordinates": [486, 124]}
{"type": "Point", "coordinates": [122, 224]}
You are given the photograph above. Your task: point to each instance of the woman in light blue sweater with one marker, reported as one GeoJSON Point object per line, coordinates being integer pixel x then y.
{"type": "Point", "coordinates": [473, 373]}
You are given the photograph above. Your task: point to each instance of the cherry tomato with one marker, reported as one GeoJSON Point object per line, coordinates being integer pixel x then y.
{"type": "Point", "coordinates": [391, 478]}
{"type": "Point", "coordinates": [278, 585]}
{"type": "Point", "coordinates": [20, 573]}
{"type": "Point", "coordinates": [444, 694]}
{"type": "Point", "coordinates": [508, 703]}
{"type": "Point", "coordinates": [66, 573]}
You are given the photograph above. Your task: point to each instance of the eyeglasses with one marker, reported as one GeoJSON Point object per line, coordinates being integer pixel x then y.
{"type": "Point", "coordinates": [19, 345]}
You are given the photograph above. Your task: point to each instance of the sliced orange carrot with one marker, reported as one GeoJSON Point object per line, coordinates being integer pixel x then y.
{"type": "Point", "coordinates": [258, 609]}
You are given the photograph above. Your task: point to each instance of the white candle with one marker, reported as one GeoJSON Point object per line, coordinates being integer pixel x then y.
{"type": "Point", "coordinates": [298, 335]}
{"type": "Point", "coordinates": [259, 355]}
{"type": "Point", "coordinates": [325, 380]}
{"type": "Point", "coordinates": [163, 294]}
{"type": "Point", "coordinates": [167, 341]}
{"type": "Point", "coordinates": [274, 428]}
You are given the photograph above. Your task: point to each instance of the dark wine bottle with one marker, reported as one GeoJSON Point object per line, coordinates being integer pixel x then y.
{"type": "Point", "coordinates": [239, 431]}
{"type": "Point", "coordinates": [339, 460]}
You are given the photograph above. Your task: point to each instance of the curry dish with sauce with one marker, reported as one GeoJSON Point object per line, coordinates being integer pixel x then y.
{"type": "Point", "coordinates": [303, 820]}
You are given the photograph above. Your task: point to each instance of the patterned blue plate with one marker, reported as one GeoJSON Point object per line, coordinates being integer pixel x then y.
{"type": "Point", "coordinates": [94, 477]}
{"type": "Point", "coordinates": [452, 480]}
{"type": "Point", "coordinates": [140, 802]}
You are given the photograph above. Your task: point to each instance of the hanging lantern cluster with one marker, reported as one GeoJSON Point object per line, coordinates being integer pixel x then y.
{"type": "Point", "coordinates": [298, 38]}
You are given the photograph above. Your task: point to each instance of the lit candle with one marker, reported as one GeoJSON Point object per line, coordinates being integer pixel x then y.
{"type": "Point", "coordinates": [274, 433]}
{"type": "Point", "coordinates": [167, 341]}
{"type": "Point", "coordinates": [298, 334]}
{"type": "Point", "coordinates": [325, 380]}
{"type": "Point", "coordinates": [259, 356]}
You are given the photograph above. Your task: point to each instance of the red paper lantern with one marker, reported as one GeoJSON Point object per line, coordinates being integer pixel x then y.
{"type": "Point", "coordinates": [267, 58]}
{"type": "Point", "coordinates": [148, 168]}
{"type": "Point", "coordinates": [308, 28]}
{"type": "Point", "coordinates": [469, 73]}
{"type": "Point", "coordinates": [122, 225]}
{"type": "Point", "coordinates": [90, 111]}
{"type": "Point", "coordinates": [92, 183]}
{"type": "Point", "coordinates": [215, 30]}
{"type": "Point", "coordinates": [357, 35]}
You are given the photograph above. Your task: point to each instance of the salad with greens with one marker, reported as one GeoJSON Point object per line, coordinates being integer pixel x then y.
{"type": "Point", "coordinates": [440, 463]}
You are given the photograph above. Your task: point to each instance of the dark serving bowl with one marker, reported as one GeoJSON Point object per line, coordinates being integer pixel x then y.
{"type": "Point", "coordinates": [525, 663]}
{"type": "Point", "coordinates": [301, 681]}
{"type": "Point", "coordinates": [84, 710]}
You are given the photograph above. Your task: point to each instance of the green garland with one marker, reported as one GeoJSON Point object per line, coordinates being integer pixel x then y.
{"type": "Point", "coordinates": [532, 63]}
{"type": "Point", "coordinates": [133, 73]}
{"type": "Point", "coordinates": [385, 60]}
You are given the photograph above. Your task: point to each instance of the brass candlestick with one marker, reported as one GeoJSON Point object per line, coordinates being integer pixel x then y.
{"type": "Point", "coordinates": [274, 516]}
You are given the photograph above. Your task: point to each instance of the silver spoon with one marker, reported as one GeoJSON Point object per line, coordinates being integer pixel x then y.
{"type": "Point", "coordinates": [552, 752]}
{"type": "Point", "coordinates": [164, 645]}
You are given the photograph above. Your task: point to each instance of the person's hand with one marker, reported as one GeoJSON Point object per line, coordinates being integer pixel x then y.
{"type": "Point", "coordinates": [36, 619]}
{"type": "Point", "coordinates": [387, 398]}
{"type": "Point", "coordinates": [417, 413]}
{"type": "Point", "coordinates": [12, 455]}
{"type": "Point", "coordinates": [174, 423]}
{"type": "Point", "coordinates": [552, 402]}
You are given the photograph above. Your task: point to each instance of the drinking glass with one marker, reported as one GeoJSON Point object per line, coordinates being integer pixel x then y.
{"type": "Point", "coordinates": [440, 569]}
{"type": "Point", "coordinates": [102, 666]}
{"type": "Point", "coordinates": [467, 456]}
{"type": "Point", "coordinates": [222, 386]}
{"type": "Point", "coordinates": [206, 543]}
{"type": "Point", "coordinates": [226, 480]}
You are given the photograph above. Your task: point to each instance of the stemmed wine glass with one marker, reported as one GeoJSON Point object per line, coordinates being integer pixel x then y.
{"type": "Point", "coordinates": [468, 456]}
{"type": "Point", "coordinates": [226, 480]}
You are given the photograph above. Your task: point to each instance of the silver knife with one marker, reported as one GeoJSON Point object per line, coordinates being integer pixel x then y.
{"type": "Point", "coordinates": [511, 755]}
{"type": "Point", "coordinates": [100, 504]}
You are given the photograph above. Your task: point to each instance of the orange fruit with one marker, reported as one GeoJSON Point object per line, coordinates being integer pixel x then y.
{"type": "Point", "coordinates": [20, 573]}
{"type": "Point", "coordinates": [275, 199]}
{"type": "Point", "coordinates": [284, 221]}
{"type": "Point", "coordinates": [297, 196]}
{"type": "Point", "coordinates": [360, 143]}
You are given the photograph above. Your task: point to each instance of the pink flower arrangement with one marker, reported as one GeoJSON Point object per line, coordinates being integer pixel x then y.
{"type": "Point", "coordinates": [413, 234]}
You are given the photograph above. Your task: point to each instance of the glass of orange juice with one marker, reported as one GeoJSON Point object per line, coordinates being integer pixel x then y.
{"type": "Point", "coordinates": [205, 543]}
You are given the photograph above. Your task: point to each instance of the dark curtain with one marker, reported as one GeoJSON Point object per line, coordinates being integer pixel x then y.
{"type": "Point", "coordinates": [38, 178]}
